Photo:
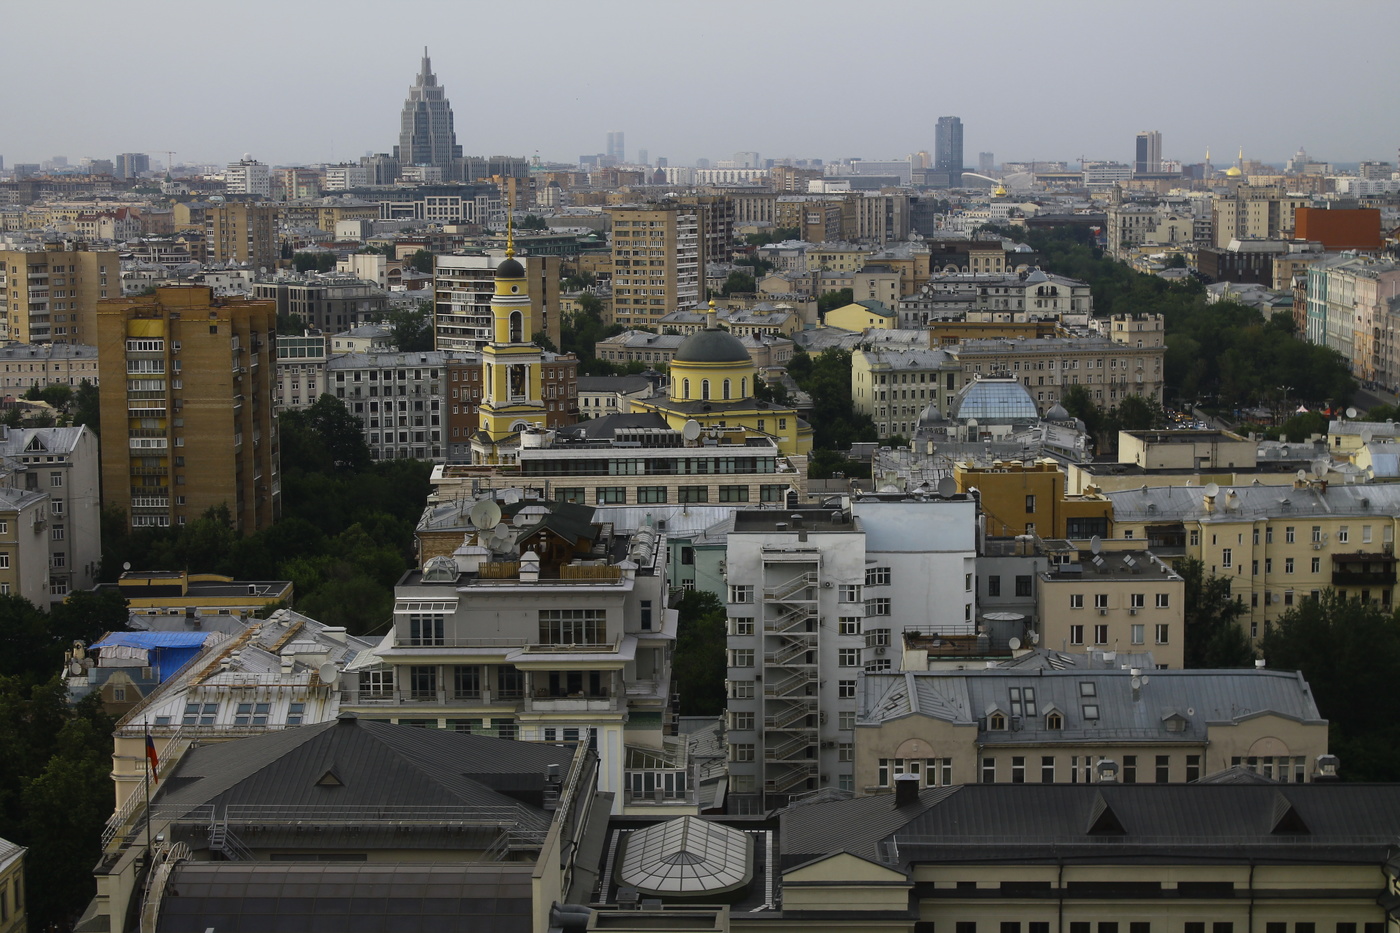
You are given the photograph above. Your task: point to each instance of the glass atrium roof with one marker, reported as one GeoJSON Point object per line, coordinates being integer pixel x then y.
{"type": "Point", "coordinates": [995, 400]}
{"type": "Point", "coordinates": [687, 856]}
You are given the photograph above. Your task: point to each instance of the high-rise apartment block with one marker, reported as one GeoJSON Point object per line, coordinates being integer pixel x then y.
{"type": "Point", "coordinates": [187, 407]}
{"type": "Point", "coordinates": [129, 165]}
{"type": "Point", "coordinates": [1258, 212]}
{"type": "Point", "coordinates": [462, 290]}
{"type": "Point", "coordinates": [243, 233]}
{"type": "Point", "coordinates": [426, 134]}
{"type": "Point", "coordinates": [50, 296]}
{"type": "Point", "coordinates": [248, 176]}
{"type": "Point", "coordinates": [948, 147]}
{"type": "Point", "coordinates": [658, 261]}
{"type": "Point", "coordinates": [1148, 153]}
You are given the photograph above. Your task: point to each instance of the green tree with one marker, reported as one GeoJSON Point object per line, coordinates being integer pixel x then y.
{"type": "Point", "coordinates": [1214, 637]}
{"type": "Point", "coordinates": [533, 222]}
{"type": "Point", "coordinates": [87, 407]}
{"type": "Point", "coordinates": [1349, 653]}
{"type": "Point", "coordinates": [413, 328]}
{"type": "Point", "coordinates": [698, 665]}
{"type": "Point", "coordinates": [739, 283]}
{"type": "Point", "coordinates": [87, 615]}
{"type": "Point", "coordinates": [830, 301]}
{"type": "Point", "coordinates": [28, 648]}
{"type": "Point", "coordinates": [1138, 413]}
{"type": "Point", "coordinates": [422, 261]}
{"type": "Point", "coordinates": [827, 381]}
{"type": "Point", "coordinates": [316, 261]}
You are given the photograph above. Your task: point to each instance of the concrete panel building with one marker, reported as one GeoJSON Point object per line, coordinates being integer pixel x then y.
{"type": "Point", "coordinates": [50, 296]}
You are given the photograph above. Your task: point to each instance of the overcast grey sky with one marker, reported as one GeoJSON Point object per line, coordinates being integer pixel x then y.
{"type": "Point", "coordinates": [300, 81]}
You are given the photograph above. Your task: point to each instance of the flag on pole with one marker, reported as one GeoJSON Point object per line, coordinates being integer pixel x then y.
{"type": "Point", "coordinates": [152, 757]}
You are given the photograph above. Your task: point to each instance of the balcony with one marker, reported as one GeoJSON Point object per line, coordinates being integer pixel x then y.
{"type": "Point", "coordinates": [1363, 569]}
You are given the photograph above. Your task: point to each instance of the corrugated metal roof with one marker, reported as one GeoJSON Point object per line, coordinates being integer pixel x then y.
{"type": "Point", "coordinates": [1187, 503]}
{"type": "Point", "coordinates": [153, 639]}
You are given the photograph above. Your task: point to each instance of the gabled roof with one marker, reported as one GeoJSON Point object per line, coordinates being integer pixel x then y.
{"type": "Point", "coordinates": [375, 764]}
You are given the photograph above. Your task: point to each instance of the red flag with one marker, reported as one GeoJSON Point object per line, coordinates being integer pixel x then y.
{"type": "Point", "coordinates": [152, 757]}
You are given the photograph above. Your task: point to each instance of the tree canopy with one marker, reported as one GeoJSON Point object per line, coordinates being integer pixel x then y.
{"type": "Point", "coordinates": [827, 380]}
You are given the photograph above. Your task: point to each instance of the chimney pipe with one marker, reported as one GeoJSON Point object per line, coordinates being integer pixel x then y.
{"type": "Point", "coordinates": [906, 790]}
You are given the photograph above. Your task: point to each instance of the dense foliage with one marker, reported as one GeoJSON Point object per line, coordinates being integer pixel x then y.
{"type": "Point", "coordinates": [1224, 353]}
{"type": "Point", "coordinates": [1214, 636]}
{"type": "Point", "coordinates": [698, 664]}
{"type": "Point", "coordinates": [1349, 651]}
{"type": "Point", "coordinates": [827, 380]}
{"type": "Point", "coordinates": [345, 537]}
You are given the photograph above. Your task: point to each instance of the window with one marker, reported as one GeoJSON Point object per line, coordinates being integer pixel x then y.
{"type": "Point", "coordinates": [1288, 534]}
{"type": "Point", "coordinates": [734, 494]}
{"type": "Point", "coordinates": [510, 685]}
{"type": "Point", "coordinates": [848, 657]}
{"type": "Point", "coordinates": [573, 626]}
{"type": "Point", "coordinates": [1054, 722]}
{"type": "Point", "coordinates": [741, 657]}
{"type": "Point", "coordinates": [1343, 534]}
{"type": "Point", "coordinates": [1163, 600]}
{"type": "Point", "coordinates": [1227, 557]}
{"type": "Point", "coordinates": [1317, 534]}
{"type": "Point", "coordinates": [846, 689]}
{"type": "Point", "coordinates": [1023, 585]}
{"type": "Point", "coordinates": [651, 495]}
{"type": "Point", "coordinates": [1030, 505]}
{"type": "Point", "coordinates": [1130, 769]}
{"type": "Point", "coordinates": [849, 593]}
{"type": "Point", "coordinates": [1163, 631]}
{"type": "Point", "coordinates": [197, 714]}
{"type": "Point", "coordinates": [741, 593]}
{"type": "Point", "coordinates": [846, 720]}
{"type": "Point", "coordinates": [251, 714]}
{"type": "Point", "coordinates": [1047, 769]}
{"type": "Point", "coordinates": [848, 625]}
{"type": "Point", "coordinates": [55, 479]}
{"type": "Point", "coordinates": [1137, 601]}
{"type": "Point", "coordinates": [989, 770]}
{"type": "Point", "coordinates": [1018, 769]}
{"type": "Point", "coordinates": [1100, 600]}
{"type": "Point", "coordinates": [997, 722]}
{"type": "Point", "coordinates": [1090, 710]}
{"type": "Point", "coordinates": [1193, 768]}
{"type": "Point", "coordinates": [693, 494]}
{"type": "Point", "coordinates": [994, 586]}
{"type": "Point", "coordinates": [1138, 634]}
{"type": "Point", "coordinates": [741, 689]}
{"type": "Point", "coordinates": [1163, 769]}
{"type": "Point", "coordinates": [877, 607]}
{"type": "Point", "coordinates": [425, 628]}
{"type": "Point", "coordinates": [846, 751]}
{"type": "Point", "coordinates": [466, 681]}
{"type": "Point", "coordinates": [422, 681]}
{"type": "Point", "coordinates": [741, 720]}
{"type": "Point", "coordinates": [1317, 565]}
{"type": "Point", "coordinates": [1076, 634]}
{"type": "Point", "coordinates": [877, 576]}
{"type": "Point", "coordinates": [1288, 565]}
{"type": "Point", "coordinates": [1076, 600]}
{"type": "Point", "coordinates": [741, 626]}
{"type": "Point", "coordinates": [741, 751]}
{"type": "Point", "coordinates": [612, 495]}
{"type": "Point", "coordinates": [1100, 634]}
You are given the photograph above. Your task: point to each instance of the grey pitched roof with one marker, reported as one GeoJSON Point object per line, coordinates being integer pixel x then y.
{"type": "Point", "coordinates": [1159, 822]}
{"type": "Point", "coordinates": [1121, 712]}
{"type": "Point", "coordinates": [374, 764]}
{"type": "Point", "coordinates": [1187, 503]}
{"type": "Point", "coordinates": [487, 897]}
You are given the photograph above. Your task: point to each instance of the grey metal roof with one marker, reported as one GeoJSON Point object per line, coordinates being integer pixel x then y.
{"type": "Point", "coordinates": [374, 765]}
{"type": "Point", "coordinates": [1252, 503]}
{"type": "Point", "coordinates": [1196, 698]}
{"type": "Point", "coordinates": [1325, 822]}
{"type": "Point", "coordinates": [234, 897]}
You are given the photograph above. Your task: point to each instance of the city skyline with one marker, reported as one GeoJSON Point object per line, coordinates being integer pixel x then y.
{"type": "Point", "coordinates": [340, 95]}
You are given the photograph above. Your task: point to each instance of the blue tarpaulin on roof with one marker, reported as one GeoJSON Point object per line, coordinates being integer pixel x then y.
{"type": "Point", "coordinates": [167, 651]}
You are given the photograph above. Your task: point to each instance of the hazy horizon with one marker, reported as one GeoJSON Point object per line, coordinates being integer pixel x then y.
{"type": "Point", "coordinates": [320, 82]}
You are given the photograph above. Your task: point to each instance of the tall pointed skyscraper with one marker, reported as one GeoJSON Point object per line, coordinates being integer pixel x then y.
{"type": "Point", "coordinates": [426, 136]}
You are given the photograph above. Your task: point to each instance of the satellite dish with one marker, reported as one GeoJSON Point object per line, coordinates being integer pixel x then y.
{"type": "Point", "coordinates": [947, 487]}
{"type": "Point", "coordinates": [1320, 468]}
{"type": "Point", "coordinates": [690, 430]}
{"type": "Point", "coordinates": [1302, 475]}
{"type": "Point", "coordinates": [329, 673]}
{"type": "Point", "coordinates": [1095, 544]}
{"type": "Point", "coordinates": [1212, 489]}
{"type": "Point", "coordinates": [485, 514]}
{"type": "Point", "coordinates": [1367, 435]}
{"type": "Point", "coordinates": [1351, 412]}
{"type": "Point", "coordinates": [126, 565]}
{"type": "Point", "coordinates": [75, 667]}
{"type": "Point", "coordinates": [1014, 644]}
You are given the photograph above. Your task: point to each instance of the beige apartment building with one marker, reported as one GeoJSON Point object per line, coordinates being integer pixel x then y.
{"type": "Point", "coordinates": [462, 290]}
{"type": "Point", "coordinates": [1254, 212]}
{"type": "Point", "coordinates": [50, 296]}
{"type": "Point", "coordinates": [658, 261]}
{"type": "Point", "coordinates": [1118, 598]}
{"type": "Point", "coordinates": [1276, 545]}
{"type": "Point", "coordinates": [242, 232]}
{"type": "Point", "coordinates": [191, 377]}
{"type": "Point", "coordinates": [1054, 726]}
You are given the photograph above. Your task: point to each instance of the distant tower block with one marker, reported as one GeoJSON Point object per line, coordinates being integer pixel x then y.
{"type": "Point", "coordinates": [426, 134]}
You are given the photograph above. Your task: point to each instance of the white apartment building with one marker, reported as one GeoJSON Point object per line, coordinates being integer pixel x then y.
{"type": "Point", "coordinates": [248, 176]}
{"type": "Point", "coordinates": [61, 463]}
{"type": "Point", "coordinates": [344, 177]}
{"type": "Point", "coordinates": [545, 627]}
{"type": "Point", "coordinates": [815, 597]}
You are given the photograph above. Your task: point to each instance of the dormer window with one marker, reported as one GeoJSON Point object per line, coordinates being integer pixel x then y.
{"type": "Point", "coordinates": [1055, 722]}
{"type": "Point", "coordinates": [997, 722]}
